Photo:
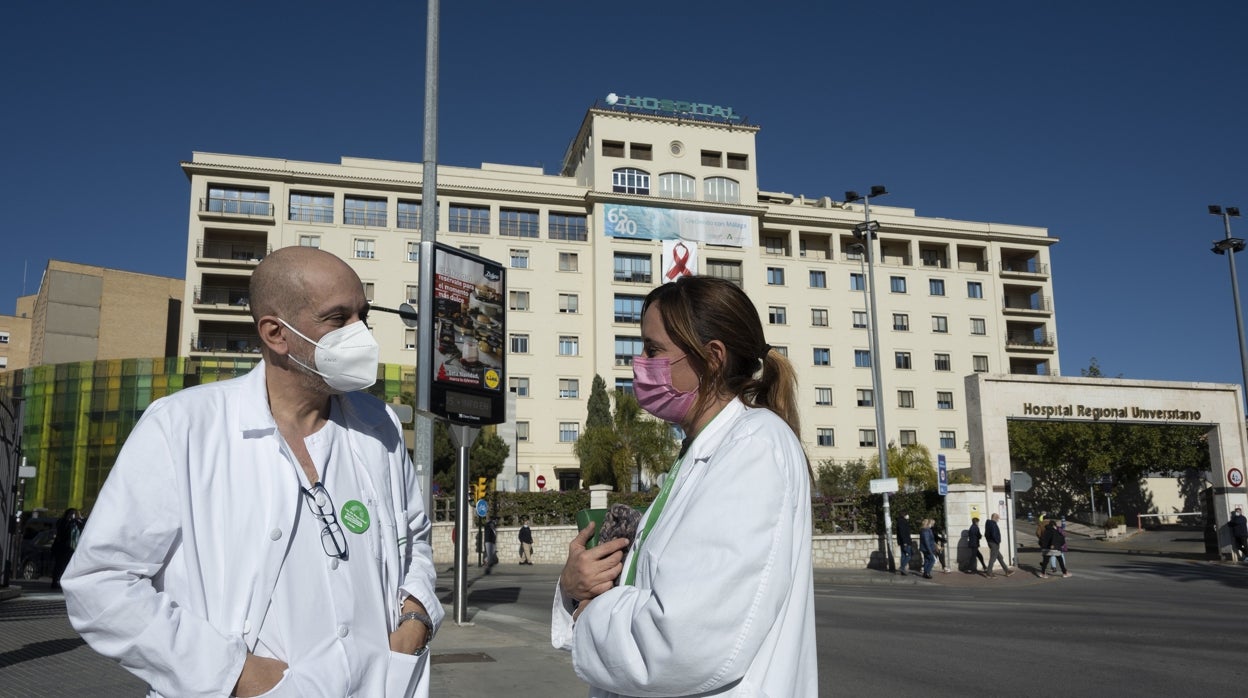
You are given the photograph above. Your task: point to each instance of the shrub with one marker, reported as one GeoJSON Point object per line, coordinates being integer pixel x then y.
{"type": "Point", "coordinates": [1115, 521]}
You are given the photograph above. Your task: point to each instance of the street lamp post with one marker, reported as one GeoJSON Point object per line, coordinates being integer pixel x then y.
{"type": "Point", "coordinates": [1233, 245]}
{"type": "Point", "coordinates": [865, 232]}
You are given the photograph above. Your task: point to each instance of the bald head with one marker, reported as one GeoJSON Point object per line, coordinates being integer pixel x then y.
{"type": "Point", "coordinates": [283, 283]}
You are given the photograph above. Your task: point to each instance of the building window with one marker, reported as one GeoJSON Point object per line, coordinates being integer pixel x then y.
{"type": "Point", "coordinates": [862, 358]}
{"type": "Point", "coordinates": [567, 226]}
{"type": "Point", "coordinates": [902, 359]}
{"type": "Point", "coordinates": [823, 356]}
{"type": "Point", "coordinates": [628, 308]}
{"type": "Point", "coordinates": [569, 388]}
{"type": "Point", "coordinates": [569, 432]}
{"type": "Point", "coordinates": [413, 294]}
{"type": "Point", "coordinates": [469, 219]}
{"type": "Point", "coordinates": [722, 190]}
{"type": "Point", "coordinates": [519, 259]}
{"type": "Point", "coordinates": [409, 339]}
{"type": "Point", "coordinates": [781, 350]}
{"type": "Point", "coordinates": [519, 224]}
{"type": "Point", "coordinates": [522, 431]}
{"type": "Point", "coordinates": [866, 437]}
{"type": "Point", "coordinates": [940, 324]}
{"type": "Point", "coordinates": [674, 185]}
{"type": "Point", "coordinates": [361, 211]}
{"type": "Point", "coordinates": [724, 269]}
{"type": "Point", "coordinates": [824, 436]}
{"type": "Point", "coordinates": [519, 344]}
{"type": "Point", "coordinates": [979, 364]}
{"type": "Point", "coordinates": [613, 149]}
{"type": "Point", "coordinates": [641, 151]}
{"type": "Point", "coordinates": [818, 279]}
{"type": "Point", "coordinates": [860, 319]}
{"type": "Point", "coordinates": [569, 345]}
{"type": "Point", "coordinates": [630, 180]}
{"type": "Point", "coordinates": [936, 287]}
{"type": "Point", "coordinates": [471, 249]}
{"type": "Point", "coordinates": [819, 317]}
{"type": "Point", "coordinates": [4, 362]}
{"type": "Point", "coordinates": [413, 251]}
{"type": "Point", "coordinates": [897, 284]}
{"type": "Point", "coordinates": [738, 161]}
{"type": "Point", "coordinates": [712, 158]}
{"type": "Point", "coordinates": [909, 437]}
{"type": "Point", "coordinates": [944, 400]}
{"type": "Point", "coordinates": [978, 326]}
{"type": "Point", "coordinates": [624, 385]}
{"type": "Point", "coordinates": [408, 215]}
{"type": "Point", "coordinates": [519, 386]}
{"type": "Point", "coordinates": [942, 362]}
{"type": "Point", "coordinates": [866, 398]}
{"type": "Point", "coordinates": [369, 287]}
{"type": "Point", "coordinates": [244, 202]}
{"type": "Point", "coordinates": [773, 244]}
{"type": "Point", "coordinates": [775, 276]}
{"type": "Point", "coordinates": [365, 248]}
{"type": "Point", "coordinates": [905, 399]}
{"type": "Point", "coordinates": [856, 282]}
{"type": "Point", "coordinates": [310, 241]}
{"type": "Point", "coordinates": [569, 303]}
{"type": "Point", "coordinates": [626, 348]}
{"type": "Point", "coordinates": [948, 439]}
{"type": "Point", "coordinates": [311, 208]}
{"type": "Point", "coordinates": [634, 268]}
{"type": "Point", "coordinates": [901, 322]}
{"type": "Point", "coordinates": [569, 261]}
{"type": "Point", "coordinates": [777, 315]}
{"type": "Point", "coordinates": [974, 289]}
{"type": "Point", "coordinates": [4, 337]}
{"type": "Point", "coordinates": [823, 396]}
{"type": "Point", "coordinates": [517, 300]}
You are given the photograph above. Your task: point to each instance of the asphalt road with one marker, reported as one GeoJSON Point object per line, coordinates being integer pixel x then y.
{"type": "Point", "coordinates": [1144, 617]}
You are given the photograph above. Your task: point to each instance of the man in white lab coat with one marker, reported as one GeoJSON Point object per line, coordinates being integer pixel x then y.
{"type": "Point", "coordinates": [266, 535]}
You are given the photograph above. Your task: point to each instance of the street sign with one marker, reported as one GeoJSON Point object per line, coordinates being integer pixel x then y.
{"type": "Point", "coordinates": [26, 472]}
{"type": "Point", "coordinates": [942, 472]}
{"type": "Point", "coordinates": [881, 485]}
{"type": "Point", "coordinates": [483, 508]}
{"type": "Point", "coordinates": [1235, 477]}
{"type": "Point", "coordinates": [541, 482]}
{"type": "Point", "coordinates": [1019, 481]}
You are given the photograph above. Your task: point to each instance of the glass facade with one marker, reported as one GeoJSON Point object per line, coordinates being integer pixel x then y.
{"type": "Point", "coordinates": [78, 415]}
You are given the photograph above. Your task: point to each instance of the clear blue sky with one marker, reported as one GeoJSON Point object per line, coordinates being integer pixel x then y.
{"type": "Point", "coordinates": [1112, 124]}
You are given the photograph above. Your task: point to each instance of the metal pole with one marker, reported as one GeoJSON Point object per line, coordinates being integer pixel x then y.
{"type": "Point", "coordinates": [876, 382]}
{"type": "Point", "coordinates": [1239, 316]}
{"type": "Point", "coordinates": [463, 436]}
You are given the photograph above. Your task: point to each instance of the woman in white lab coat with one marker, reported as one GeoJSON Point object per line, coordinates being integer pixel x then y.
{"type": "Point", "coordinates": [714, 595]}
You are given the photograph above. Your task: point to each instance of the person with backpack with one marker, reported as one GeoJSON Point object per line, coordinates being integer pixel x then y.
{"type": "Point", "coordinates": [1051, 544]}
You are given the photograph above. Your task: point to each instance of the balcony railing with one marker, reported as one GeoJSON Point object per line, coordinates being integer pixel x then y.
{"type": "Point", "coordinates": [1032, 340]}
{"type": "Point", "coordinates": [221, 295]}
{"type": "Point", "coordinates": [225, 342]}
{"type": "Point", "coordinates": [236, 207]}
{"type": "Point", "coordinates": [237, 251]}
{"type": "Point", "coordinates": [1036, 303]}
{"type": "Point", "coordinates": [642, 277]}
{"type": "Point", "coordinates": [938, 262]}
{"type": "Point", "coordinates": [1024, 266]}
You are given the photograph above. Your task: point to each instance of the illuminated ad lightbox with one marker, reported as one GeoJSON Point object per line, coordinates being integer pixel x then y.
{"type": "Point", "coordinates": [469, 359]}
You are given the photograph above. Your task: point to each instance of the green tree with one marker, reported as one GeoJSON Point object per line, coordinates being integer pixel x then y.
{"type": "Point", "coordinates": [485, 458]}
{"type": "Point", "coordinates": [843, 480]}
{"type": "Point", "coordinates": [597, 447]}
{"type": "Point", "coordinates": [911, 465]}
{"type": "Point", "coordinates": [599, 405]}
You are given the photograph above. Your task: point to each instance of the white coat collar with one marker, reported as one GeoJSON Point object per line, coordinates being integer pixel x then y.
{"type": "Point", "coordinates": [714, 433]}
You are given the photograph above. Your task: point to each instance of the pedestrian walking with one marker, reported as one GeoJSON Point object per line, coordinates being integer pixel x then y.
{"type": "Point", "coordinates": [973, 537]}
{"type": "Point", "coordinates": [64, 541]}
{"type": "Point", "coordinates": [927, 546]}
{"type": "Point", "coordinates": [1239, 529]}
{"type": "Point", "coordinates": [1051, 544]}
{"type": "Point", "coordinates": [992, 533]}
{"type": "Point", "coordinates": [526, 542]}
{"type": "Point", "coordinates": [491, 543]}
{"type": "Point", "coordinates": [905, 546]}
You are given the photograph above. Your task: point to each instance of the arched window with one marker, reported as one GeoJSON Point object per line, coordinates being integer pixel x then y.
{"type": "Point", "coordinates": [723, 190]}
{"type": "Point", "coordinates": [629, 180]}
{"type": "Point", "coordinates": [674, 185]}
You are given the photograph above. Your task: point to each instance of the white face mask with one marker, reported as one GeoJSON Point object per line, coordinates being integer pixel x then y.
{"type": "Point", "coordinates": [347, 357]}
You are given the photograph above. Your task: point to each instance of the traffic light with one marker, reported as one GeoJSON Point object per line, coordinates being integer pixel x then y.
{"type": "Point", "coordinates": [478, 490]}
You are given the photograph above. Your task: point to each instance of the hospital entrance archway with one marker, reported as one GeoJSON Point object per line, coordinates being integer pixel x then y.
{"type": "Point", "coordinates": [993, 400]}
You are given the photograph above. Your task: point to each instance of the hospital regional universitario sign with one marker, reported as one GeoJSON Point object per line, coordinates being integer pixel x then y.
{"type": "Point", "coordinates": [1133, 412]}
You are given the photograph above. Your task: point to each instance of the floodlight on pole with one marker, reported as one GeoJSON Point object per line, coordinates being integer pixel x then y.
{"type": "Point", "coordinates": [1233, 245]}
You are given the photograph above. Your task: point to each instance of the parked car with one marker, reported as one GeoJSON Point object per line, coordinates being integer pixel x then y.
{"type": "Point", "coordinates": [37, 559]}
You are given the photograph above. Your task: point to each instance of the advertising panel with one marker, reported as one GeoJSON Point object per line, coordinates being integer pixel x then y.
{"type": "Point", "coordinates": [469, 296]}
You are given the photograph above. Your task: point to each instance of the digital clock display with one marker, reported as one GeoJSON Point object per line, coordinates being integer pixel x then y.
{"type": "Point", "coordinates": [471, 405]}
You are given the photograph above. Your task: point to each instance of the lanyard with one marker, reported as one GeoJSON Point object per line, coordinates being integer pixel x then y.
{"type": "Point", "coordinates": [655, 510]}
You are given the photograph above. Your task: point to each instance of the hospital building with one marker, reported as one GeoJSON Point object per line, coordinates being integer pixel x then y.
{"type": "Point", "coordinates": [648, 189]}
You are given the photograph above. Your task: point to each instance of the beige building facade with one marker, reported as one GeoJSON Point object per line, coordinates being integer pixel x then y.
{"type": "Point", "coordinates": [15, 336]}
{"type": "Point", "coordinates": [643, 194]}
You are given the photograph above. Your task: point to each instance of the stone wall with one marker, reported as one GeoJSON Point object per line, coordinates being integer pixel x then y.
{"type": "Point", "coordinates": [550, 547]}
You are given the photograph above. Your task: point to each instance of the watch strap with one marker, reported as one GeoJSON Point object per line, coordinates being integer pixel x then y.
{"type": "Point", "coordinates": [420, 616]}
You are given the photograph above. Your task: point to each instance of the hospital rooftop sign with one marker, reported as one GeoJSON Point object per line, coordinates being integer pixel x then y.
{"type": "Point", "coordinates": [674, 106]}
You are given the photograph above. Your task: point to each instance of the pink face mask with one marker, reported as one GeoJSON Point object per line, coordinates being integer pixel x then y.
{"type": "Point", "coordinates": [652, 384]}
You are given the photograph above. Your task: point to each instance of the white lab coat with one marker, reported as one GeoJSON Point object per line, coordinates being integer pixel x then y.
{"type": "Point", "coordinates": [174, 573]}
{"type": "Point", "coordinates": [723, 602]}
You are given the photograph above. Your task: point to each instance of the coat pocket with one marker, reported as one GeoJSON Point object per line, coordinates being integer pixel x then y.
{"type": "Point", "coordinates": [407, 675]}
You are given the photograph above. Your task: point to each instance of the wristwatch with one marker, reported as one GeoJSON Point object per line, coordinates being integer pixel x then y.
{"type": "Point", "coordinates": [425, 620]}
